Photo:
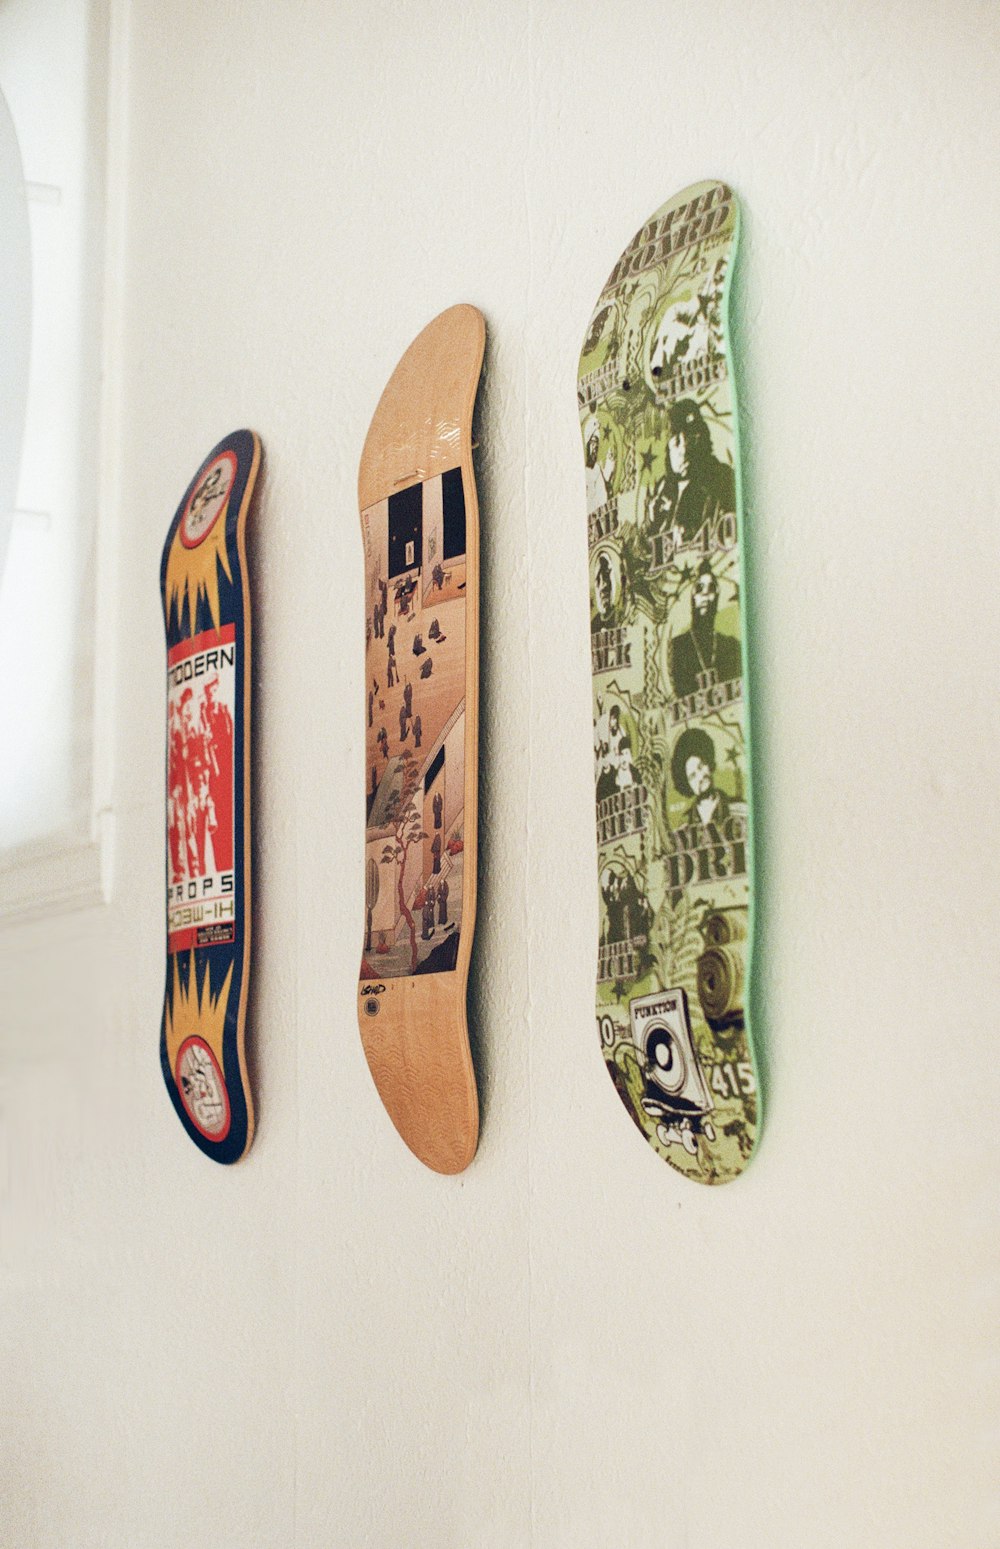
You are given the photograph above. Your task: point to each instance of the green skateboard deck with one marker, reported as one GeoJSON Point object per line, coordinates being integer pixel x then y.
{"type": "Point", "coordinates": [668, 657]}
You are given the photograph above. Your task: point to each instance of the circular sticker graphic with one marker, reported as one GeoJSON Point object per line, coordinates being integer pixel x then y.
{"type": "Point", "coordinates": [208, 500]}
{"type": "Point", "coordinates": [203, 1091]}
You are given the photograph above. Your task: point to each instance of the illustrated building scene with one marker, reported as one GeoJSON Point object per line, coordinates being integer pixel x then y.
{"type": "Point", "coordinates": [415, 568]}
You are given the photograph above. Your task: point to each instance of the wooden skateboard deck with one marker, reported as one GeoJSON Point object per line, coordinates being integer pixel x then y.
{"type": "Point", "coordinates": [420, 524]}
{"type": "Point", "coordinates": [206, 608]}
{"type": "Point", "coordinates": [668, 656]}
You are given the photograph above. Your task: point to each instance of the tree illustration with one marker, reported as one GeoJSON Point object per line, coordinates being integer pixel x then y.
{"type": "Point", "coordinates": [404, 816]}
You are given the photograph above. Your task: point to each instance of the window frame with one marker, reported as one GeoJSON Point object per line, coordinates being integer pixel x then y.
{"type": "Point", "coordinates": [73, 868]}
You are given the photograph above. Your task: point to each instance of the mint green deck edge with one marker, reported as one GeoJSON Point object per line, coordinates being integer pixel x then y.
{"type": "Point", "coordinates": [748, 695]}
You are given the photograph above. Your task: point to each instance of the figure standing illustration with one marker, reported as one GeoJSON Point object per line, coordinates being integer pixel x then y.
{"type": "Point", "coordinates": [217, 724]}
{"type": "Point", "coordinates": [702, 655]}
{"type": "Point", "coordinates": [427, 914]}
{"type": "Point", "coordinates": [194, 764]}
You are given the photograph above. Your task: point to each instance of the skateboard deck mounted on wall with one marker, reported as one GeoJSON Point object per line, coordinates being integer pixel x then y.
{"type": "Point", "coordinates": [668, 656]}
{"type": "Point", "coordinates": [420, 524]}
{"type": "Point", "coordinates": [206, 609]}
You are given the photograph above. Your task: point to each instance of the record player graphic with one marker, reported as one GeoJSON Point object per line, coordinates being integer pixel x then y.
{"type": "Point", "coordinates": [674, 1087]}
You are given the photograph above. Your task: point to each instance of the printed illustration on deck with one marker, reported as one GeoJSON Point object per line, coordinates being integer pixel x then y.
{"type": "Point", "coordinates": [415, 571]}
{"type": "Point", "coordinates": [671, 776]}
{"type": "Point", "coordinates": [201, 699]}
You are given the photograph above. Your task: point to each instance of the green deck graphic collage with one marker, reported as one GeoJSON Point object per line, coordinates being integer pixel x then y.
{"type": "Point", "coordinates": [658, 419]}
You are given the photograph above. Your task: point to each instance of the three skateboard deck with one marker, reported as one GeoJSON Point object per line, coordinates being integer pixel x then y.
{"type": "Point", "coordinates": [206, 608]}
{"type": "Point", "coordinates": [420, 524]}
{"type": "Point", "coordinates": [668, 657]}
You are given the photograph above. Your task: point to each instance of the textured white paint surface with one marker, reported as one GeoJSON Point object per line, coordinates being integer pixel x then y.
{"type": "Point", "coordinates": [569, 1345]}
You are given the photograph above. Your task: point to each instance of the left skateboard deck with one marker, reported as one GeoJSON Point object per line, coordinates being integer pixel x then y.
{"type": "Point", "coordinates": [205, 592]}
{"type": "Point", "coordinates": [420, 524]}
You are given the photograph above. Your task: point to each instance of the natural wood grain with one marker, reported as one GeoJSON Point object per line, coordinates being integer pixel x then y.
{"type": "Point", "coordinates": [417, 1044]}
{"type": "Point", "coordinates": [417, 1050]}
{"type": "Point", "coordinates": [423, 423]}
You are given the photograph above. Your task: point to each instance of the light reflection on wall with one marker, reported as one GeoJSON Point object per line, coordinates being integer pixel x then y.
{"type": "Point", "coordinates": [44, 680]}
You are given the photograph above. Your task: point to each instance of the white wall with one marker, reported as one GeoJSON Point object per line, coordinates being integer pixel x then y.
{"type": "Point", "coordinates": [568, 1345]}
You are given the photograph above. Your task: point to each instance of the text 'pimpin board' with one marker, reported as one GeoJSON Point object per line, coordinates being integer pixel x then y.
{"type": "Point", "coordinates": [206, 608]}
{"type": "Point", "coordinates": [668, 658]}
{"type": "Point", "coordinates": [420, 524]}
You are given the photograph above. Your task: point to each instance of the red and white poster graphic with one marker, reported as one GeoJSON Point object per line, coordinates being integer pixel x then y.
{"type": "Point", "coordinates": [201, 710]}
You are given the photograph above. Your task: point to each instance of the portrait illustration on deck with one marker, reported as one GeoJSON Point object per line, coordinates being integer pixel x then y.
{"type": "Point", "coordinates": [667, 624]}
{"type": "Point", "coordinates": [415, 567]}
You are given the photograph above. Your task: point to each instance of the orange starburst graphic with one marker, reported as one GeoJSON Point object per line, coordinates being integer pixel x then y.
{"type": "Point", "coordinates": [193, 573]}
{"type": "Point", "coordinates": [189, 1014]}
